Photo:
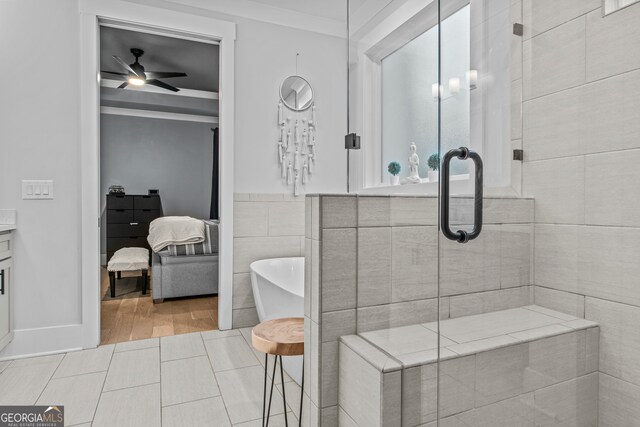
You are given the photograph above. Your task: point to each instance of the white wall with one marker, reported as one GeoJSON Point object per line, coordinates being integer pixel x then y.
{"type": "Point", "coordinates": [173, 156]}
{"type": "Point", "coordinates": [39, 137]}
{"type": "Point", "coordinates": [266, 55]}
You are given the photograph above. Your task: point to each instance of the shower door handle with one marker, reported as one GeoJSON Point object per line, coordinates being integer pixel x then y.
{"type": "Point", "coordinates": [461, 236]}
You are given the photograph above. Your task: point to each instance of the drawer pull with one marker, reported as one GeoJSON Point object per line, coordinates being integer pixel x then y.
{"type": "Point", "coordinates": [2, 282]}
{"type": "Point", "coordinates": [133, 223]}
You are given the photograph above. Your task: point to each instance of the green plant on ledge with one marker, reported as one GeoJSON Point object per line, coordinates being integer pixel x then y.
{"type": "Point", "coordinates": [394, 168]}
{"type": "Point", "coordinates": [434, 162]}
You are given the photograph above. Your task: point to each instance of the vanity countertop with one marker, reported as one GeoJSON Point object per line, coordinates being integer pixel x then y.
{"type": "Point", "coordinates": [7, 227]}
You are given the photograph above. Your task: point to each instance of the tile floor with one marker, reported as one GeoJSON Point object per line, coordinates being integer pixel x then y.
{"type": "Point", "coordinates": [211, 378]}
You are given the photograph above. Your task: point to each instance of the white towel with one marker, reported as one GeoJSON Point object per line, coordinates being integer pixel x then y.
{"type": "Point", "coordinates": [174, 230]}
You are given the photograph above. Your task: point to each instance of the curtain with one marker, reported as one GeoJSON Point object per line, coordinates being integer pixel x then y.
{"type": "Point", "coordinates": [213, 213]}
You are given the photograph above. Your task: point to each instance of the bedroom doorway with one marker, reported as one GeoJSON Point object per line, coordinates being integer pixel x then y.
{"type": "Point", "coordinates": [159, 157]}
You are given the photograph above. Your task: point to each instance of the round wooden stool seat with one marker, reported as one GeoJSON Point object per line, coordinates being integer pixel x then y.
{"type": "Point", "coordinates": [282, 337]}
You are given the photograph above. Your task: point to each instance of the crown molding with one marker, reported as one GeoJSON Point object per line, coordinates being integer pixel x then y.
{"type": "Point", "coordinates": [274, 15]}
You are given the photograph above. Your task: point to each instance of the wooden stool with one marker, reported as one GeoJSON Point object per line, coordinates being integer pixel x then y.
{"type": "Point", "coordinates": [280, 337]}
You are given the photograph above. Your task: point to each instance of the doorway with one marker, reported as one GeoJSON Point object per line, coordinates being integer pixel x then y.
{"type": "Point", "coordinates": [148, 20]}
{"type": "Point", "coordinates": [158, 129]}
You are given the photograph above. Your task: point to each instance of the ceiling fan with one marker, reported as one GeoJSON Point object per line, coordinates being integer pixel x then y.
{"type": "Point", "coordinates": [137, 76]}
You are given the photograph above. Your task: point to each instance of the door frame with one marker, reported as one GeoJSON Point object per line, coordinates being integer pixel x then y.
{"type": "Point", "coordinates": [92, 12]}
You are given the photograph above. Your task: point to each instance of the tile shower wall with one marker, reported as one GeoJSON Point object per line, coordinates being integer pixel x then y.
{"type": "Point", "coordinates": [264, 226]}
{"type": "Point", "coordinates": [581, 138]}
{"type": "Point", "coordinates": [372, 263]}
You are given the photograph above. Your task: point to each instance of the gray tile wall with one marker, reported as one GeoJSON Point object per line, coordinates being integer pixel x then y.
{"type": "Point", "coordinates": [368, 396]}
{"type": "Point", "coordinates": [264, 226]}
{"type": "Point", "coordinates": [581, 138]}
{"type": "Point", "coordinates": [372, 263]}
{"type": "Point", "coordinates": [549, 381]}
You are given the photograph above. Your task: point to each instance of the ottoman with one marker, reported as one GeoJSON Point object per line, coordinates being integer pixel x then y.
{"type": "Point", "coordinates": [128, 259]}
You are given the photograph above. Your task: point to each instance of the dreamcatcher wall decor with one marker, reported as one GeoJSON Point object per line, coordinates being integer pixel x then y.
{"type": "Point", "coordinates": [297, 128]}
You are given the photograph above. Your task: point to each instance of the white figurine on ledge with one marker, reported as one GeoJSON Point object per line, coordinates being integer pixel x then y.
{"type": "Point", "coordinates": [414, 162]}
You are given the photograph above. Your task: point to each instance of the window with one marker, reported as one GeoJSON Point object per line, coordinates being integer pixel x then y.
{"type": "Point", "coordinates": [409, 95]}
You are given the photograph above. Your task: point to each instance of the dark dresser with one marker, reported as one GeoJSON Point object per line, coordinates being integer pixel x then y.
{"type": "Point", "coordinates": [128, 218]}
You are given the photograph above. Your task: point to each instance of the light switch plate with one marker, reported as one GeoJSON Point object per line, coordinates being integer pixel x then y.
{"type": "Point", "coordinates": [37, 189]}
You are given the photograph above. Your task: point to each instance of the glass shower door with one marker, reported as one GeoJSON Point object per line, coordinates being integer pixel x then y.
{"type": "Point", "coordinates": [474, 123]}
{"type": "Point", "coordinates": [394, 107]}
{"type": "Point", "coordinates": [503, 361]}
{"type": "Point", "coordinates": [445, 239]}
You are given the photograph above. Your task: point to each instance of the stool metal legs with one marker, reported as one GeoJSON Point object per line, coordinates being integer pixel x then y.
{"type": "Point", "coordinates": [273, 376]}
{"type": "Point", "coordinates": [284, 397]}
{"type": "Point", "coordinates": [265, 417]}
{"type": "Point", "coordinates": [301, 395]}
{"type": "Point", "coordinates": [264, 392]}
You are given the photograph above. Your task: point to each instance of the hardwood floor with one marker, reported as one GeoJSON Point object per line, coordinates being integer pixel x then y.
{"type": "Point", "coordinates": [133, 316]}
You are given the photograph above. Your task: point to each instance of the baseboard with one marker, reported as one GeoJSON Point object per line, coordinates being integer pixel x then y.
{"type": "Point", "coordinates": [43, 341]}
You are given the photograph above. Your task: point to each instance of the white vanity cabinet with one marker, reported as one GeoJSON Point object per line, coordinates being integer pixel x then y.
{"type": "Point", "coordinates": [6, 309]}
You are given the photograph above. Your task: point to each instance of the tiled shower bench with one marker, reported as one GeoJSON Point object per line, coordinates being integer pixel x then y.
{"type": "Point", "coordinates": [528, 366]}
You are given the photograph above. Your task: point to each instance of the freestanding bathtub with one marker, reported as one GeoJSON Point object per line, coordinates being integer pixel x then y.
{"type": "Point", "coordinates": [278, 290]}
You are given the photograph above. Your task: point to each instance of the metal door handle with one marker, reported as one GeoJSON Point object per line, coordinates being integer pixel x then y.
{"type": "Point", "coordinates": [1, 282]}
{"type": "Point", "coordinates": [461, 236]}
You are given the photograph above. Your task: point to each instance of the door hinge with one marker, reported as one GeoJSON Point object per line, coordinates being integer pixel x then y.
{"type": "Point", "coordinates": [352, 141]}
{"type": "Point", "coordinates": [518, 29]}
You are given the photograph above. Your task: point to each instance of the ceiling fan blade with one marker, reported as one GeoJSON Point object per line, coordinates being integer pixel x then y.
{"type": "Point", "coordinates": [117, 76]}
{"type": "Point", "coordinates": [124, 65]}
{"type": "Point", "coordinates": [163, 74]}
{"type": "Point", "coordinates": [123, 85]}
{"type": "Point", "coordinates": [163, 85]}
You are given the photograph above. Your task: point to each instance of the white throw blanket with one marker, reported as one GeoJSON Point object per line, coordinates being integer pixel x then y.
{"type": "Point", "coordinates": [174, 230]}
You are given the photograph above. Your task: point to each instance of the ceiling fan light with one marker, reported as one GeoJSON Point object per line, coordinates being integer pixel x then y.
{"type": "Point", "coordinates": [136, 81]}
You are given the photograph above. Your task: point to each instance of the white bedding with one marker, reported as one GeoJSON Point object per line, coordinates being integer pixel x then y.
{"type": "Point", "coordinates": [175, 230]}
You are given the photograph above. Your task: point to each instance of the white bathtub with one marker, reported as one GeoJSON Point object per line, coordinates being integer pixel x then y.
{"type": "Point", "coordinates": [278, 290]}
